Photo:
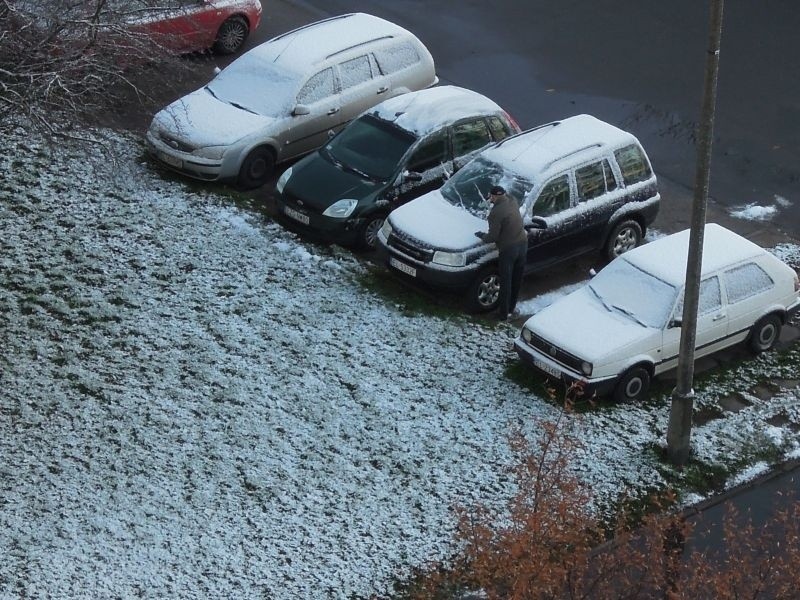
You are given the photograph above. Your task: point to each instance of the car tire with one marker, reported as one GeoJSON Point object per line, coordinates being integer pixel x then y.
{"type": "Point", "coordinates": [484, 292]}
{"type": "Point", "coordinates": [257, 168]}
{"type": "Point", "coordinates": [764, 334]}
{"type": "Point", "coordinates": [231, 36]}
{"type": "Point", "coordinates": [633, 385]}
{"type": "Point", "coordinates": [368, 234]}
{"type": "Point", "coordinates": [625, 236]}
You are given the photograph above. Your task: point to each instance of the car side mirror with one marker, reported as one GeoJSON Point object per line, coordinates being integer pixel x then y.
{"type": "Point", "coordinates": [300, 109]}
{"type": "Point", "coordinates": [536, 223]}
{"type": "Point", "coordinates": [412, 176]}
{"type": "Point", "coordinates": [675, 323]}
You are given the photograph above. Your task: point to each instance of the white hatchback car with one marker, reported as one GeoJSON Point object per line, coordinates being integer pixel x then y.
{"type": "Point", "coordinates": [282, 99]}
{"type": "Point", "coordinates": [623, 327]}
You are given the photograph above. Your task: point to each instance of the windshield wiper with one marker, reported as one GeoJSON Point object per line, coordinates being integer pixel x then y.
{"type": "Point", "coordinates": [599, 297]}
{"type": "Point", "coordinates": [237, 105]}
{"type": "Point", "coordinates": [627, 312]}
{"type": "Point", "coordinates": [344, 166]}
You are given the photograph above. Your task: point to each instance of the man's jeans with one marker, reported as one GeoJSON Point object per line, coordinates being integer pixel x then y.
{"type": "Point", "coordinates": [510, 268]}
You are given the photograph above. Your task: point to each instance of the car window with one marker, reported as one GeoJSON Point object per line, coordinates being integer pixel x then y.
{"type": "Point", "coordinates": [710, 298]}
{"type": "Point", "coordinates": [745, 281]}
{"type": "Point", "coordinates": [633, 164]}
{"type": "Point", "coordinates": [500, 130]}
{"type": "Point", "coordinates": [594, 180]}
{"type": "Point", "coordinates": [319, 87]}
{"type": "Point", "coordinates": [355, 71]}
{"type": "Point", "coordinates": [470, 136]}
{"type": "Point", "coordinates": [553, 198]}
{"type": "Point", "coordinates": [396, 57]}
{"type": "Point", "coordinates": [431, 153]}
{"type": "Point", "coordinates": [627, 290]}
{"type": "Point", "coordinates": [469, 187]}
{"type": "Point", "coordinates": [355, 147]}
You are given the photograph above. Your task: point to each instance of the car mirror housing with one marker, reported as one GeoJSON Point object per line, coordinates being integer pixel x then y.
{"type": "Point", "coordinates": [536, 223]}
{"type": "Point", "coordinates": [675, 323]}
{"type": "Point", "coordinates": [300, 109]}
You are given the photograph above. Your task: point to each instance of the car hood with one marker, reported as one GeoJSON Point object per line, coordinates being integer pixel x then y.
{"type": "Point", "coordinates": [199, 119]}
{"type": "Point", "coordinates": [434, 221]}
{"type": "Point", "coordinates": [319, 183]}
{"type": "Point", "coordinates": [582, 326]}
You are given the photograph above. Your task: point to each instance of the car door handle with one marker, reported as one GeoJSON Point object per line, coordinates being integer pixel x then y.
{"type": "Point", "coordinates": [383, 89]}
{"type": "Point", "coordinates": [333, 111]}
{"type": "Point", "coordinates": [718, 317]}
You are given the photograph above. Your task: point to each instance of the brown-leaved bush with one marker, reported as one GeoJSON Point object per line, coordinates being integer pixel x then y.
{"type": "Point", "coordinates": [547, 544]}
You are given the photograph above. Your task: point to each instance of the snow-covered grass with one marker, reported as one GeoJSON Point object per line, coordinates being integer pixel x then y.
{"type": "Point", "coordinates": [195, 403]}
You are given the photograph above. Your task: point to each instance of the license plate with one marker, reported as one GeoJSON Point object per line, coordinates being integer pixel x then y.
{"type": "Point", "coordinates": [296, 215]}
{"type": "Point", "coordinates": [403, 267]}
{"type": "Point", "coordinates": [543, 366]}
{"type": "Point", "coordinates": [170, 160]}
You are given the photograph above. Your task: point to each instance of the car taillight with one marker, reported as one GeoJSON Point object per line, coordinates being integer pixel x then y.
{"type": "Point", "coordinates": [512, 120]}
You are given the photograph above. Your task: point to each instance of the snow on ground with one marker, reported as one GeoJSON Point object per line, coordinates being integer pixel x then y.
{"type": "Point", "coordinates": [757, 212]}
{"type": "Point", "coordinates": [195, 403]}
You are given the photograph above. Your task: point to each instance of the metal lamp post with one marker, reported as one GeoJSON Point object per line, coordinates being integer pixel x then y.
{"type": "Point", "coordinates": [680, 417]}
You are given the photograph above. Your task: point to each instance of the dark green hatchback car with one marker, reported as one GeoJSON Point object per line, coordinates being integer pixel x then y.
{"type": "Point", "coordinates": [398, 150]}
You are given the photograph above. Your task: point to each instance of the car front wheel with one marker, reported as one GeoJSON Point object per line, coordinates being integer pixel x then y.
{"type": "Point", "coordinates": [633, 385]}
{"type": "Point", "coordinates": [764, 334]}
{"type": "Point", "coordinates": [368, 237]}
{"type": "Point", "coordinates": [257, 168]}
{"type": "Point", "coordinates": [625, 236]}
{"type": "Point", "coordinates": [231, 36]}
{"type": "Point", "coordinates": [485, 291]}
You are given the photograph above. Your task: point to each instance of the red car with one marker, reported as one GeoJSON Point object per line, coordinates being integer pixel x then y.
{"type": "Point", "coordinates": [190, 25]}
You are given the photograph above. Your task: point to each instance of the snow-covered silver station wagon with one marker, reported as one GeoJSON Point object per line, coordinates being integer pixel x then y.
{"type": "Point", "coordinates": [624, 327]}
{"type": "Point", "coordinates": [281, 99]}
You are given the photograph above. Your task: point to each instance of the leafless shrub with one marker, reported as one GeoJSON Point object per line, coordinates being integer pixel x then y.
{"type": "Point", "coordinates": [64, 62]}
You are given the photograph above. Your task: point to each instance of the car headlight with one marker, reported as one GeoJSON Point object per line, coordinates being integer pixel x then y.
{"type": "Point", "coordinates": [282, 180]}
{"type": "Point", "coordinates": [586, 367]}
{"type": "Point", "coordinates": [527, 335]}
{"type": "Point", "coordinates": [341, 209]}
{"type": "Point", "coordinates": [386, 229]}
{"type": "Point", "coordinates": [211, 152]}
{"type": "Point", "coordinates": [451, 259]}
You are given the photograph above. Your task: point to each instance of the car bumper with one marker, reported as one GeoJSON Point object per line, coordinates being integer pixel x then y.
{"type": "Point", "coordinates": [599, 386]}
{"type": "Point", "coordinates": [183, 162]}
{"type": "Point", "coordinates": [340, 231]}
{"type": "Point", "coordinates": [793, 310]}
{"type": "Point", "coordinates": [426, 273]}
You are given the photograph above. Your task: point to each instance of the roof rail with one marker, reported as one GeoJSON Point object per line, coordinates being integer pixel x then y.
{"type": "Point", "coordinates": [383, 37]}
{"type": "Point", "coordinates": [511, 137]}
{"type": "Point", "coordinates": [576, 151]}
{"type": "Point", "coordinates": [283, 35]}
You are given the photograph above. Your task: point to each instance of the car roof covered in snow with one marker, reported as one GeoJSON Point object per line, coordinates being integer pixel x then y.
{"type": "Point", "coordinates": [428, 110]}
{"type": "Point", "coordinates": [665, 258]}
{"type": "Point", "coordinates": [557, 145]}
{"type": "Point", "coordinates": [311, 44]}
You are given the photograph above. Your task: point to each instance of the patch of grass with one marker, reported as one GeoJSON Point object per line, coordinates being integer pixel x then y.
{"type": "Point", "coordinates": [408, 300]}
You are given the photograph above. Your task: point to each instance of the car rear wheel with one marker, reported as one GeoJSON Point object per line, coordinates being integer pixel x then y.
{"type": "Point", "coordinates": [368, 236]}
{"type": "Point", "coordinates": [257, 168]}
{"type": "Point", "coordinates": [485, 291]}
{"type": "Point", "coordinates": [625, 236]}
{"type": "Point", "coordinates": [633, 385]}
{"type": "Point", "coordinates": [231, 36]}
{"type": "Point", "coordinates": [764, 334]}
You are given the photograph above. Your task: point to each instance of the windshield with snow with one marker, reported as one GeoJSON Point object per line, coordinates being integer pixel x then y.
{"type": "Point", "coordinates": [469, 187]}
{"type": "Point", "coordinates": [370, 146]}
{"type": "Point", "coordinates": [630, 291]}
{"type": "Point", "coordinates": [257, 86]}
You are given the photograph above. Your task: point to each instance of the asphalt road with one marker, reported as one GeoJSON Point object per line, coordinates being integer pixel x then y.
{"type": "Point", "coordinates": [635, 63]}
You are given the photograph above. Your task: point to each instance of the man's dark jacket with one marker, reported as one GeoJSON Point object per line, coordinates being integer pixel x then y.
{"type": "Point", "coordinates": [505, 224]}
